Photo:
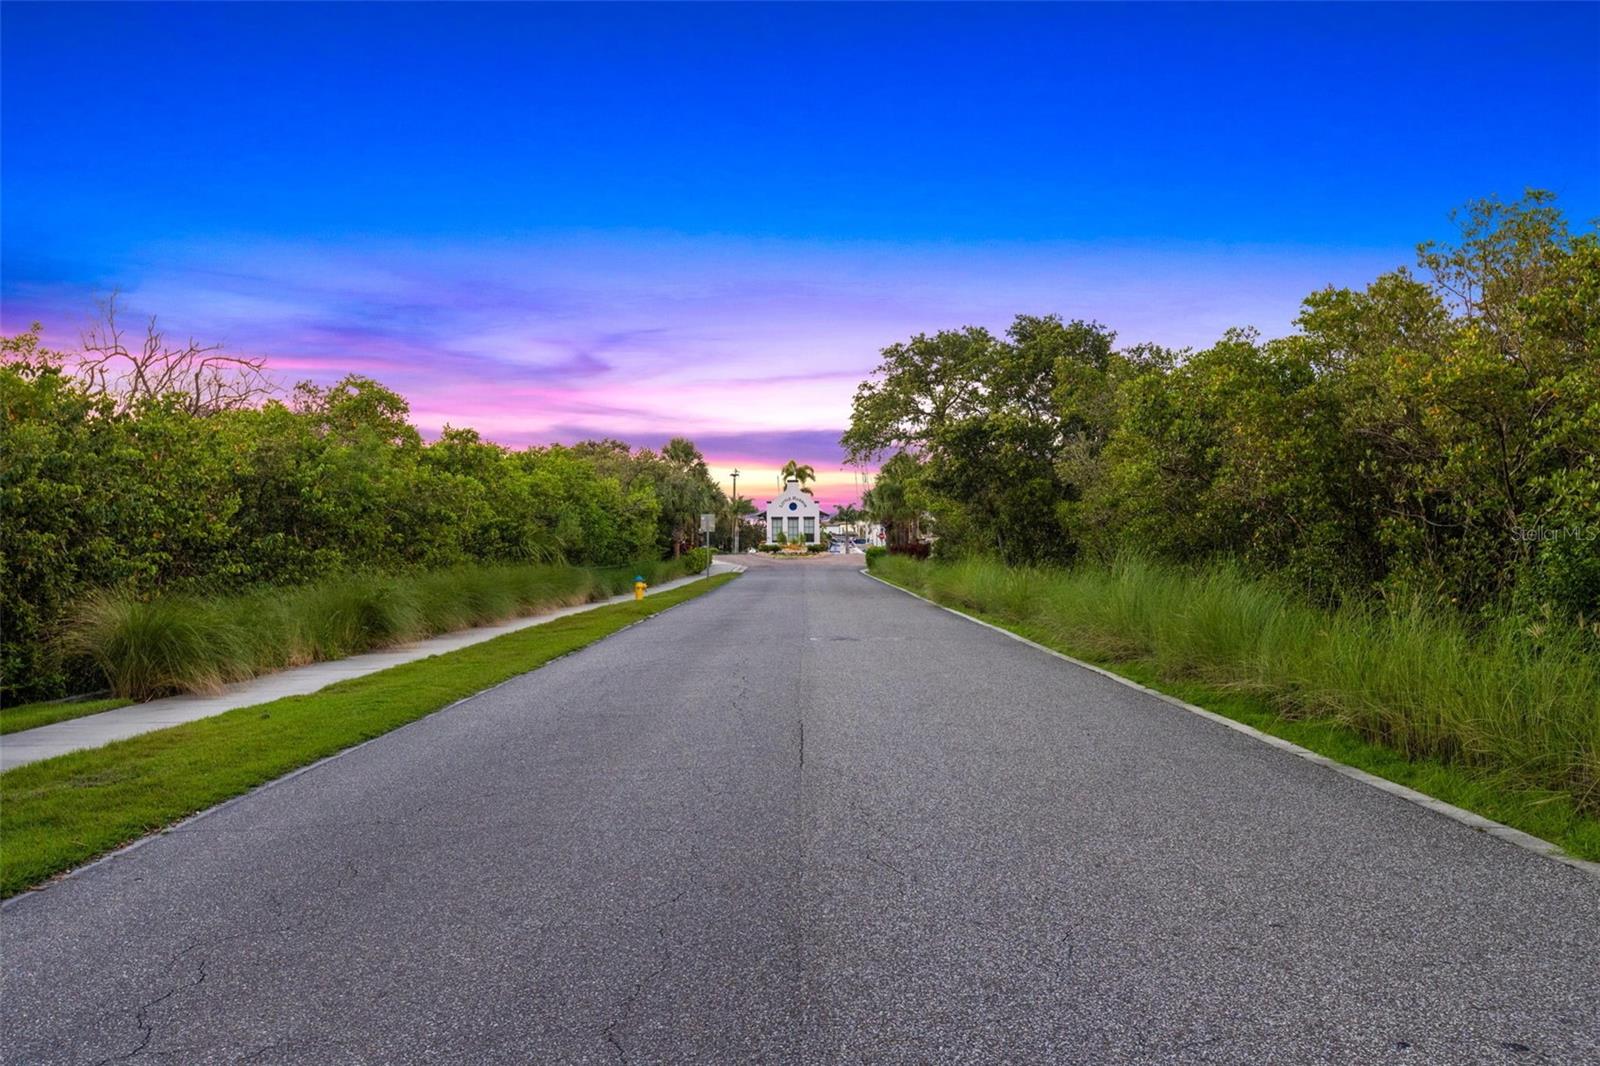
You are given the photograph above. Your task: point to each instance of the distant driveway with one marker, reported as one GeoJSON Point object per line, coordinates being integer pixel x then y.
{"type": "Point", "coordinates": [810, 819]}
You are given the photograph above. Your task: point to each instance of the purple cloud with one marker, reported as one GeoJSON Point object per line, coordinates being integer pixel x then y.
{"type": "Point", "coordinates": [745, 345]}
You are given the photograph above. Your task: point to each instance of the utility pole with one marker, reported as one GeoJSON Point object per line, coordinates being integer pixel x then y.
{"type": "Point", "coordinates": [735, 515]}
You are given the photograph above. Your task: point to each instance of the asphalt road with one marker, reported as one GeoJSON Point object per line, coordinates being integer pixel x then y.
{"type": "Point", "coordinates": [811, 819]}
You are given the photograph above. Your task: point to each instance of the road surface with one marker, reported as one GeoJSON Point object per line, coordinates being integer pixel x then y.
{"type": "Point", "coordinates": [808, 818]}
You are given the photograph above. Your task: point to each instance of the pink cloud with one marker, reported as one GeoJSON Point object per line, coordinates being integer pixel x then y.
{"type": "Point", "coordinates": [747, 346]}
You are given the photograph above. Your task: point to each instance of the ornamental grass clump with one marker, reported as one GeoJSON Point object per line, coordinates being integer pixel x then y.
{"type": "Point", "coordinates": [357, 613]}
{"type": "Point", "coordinates": [149, 647]}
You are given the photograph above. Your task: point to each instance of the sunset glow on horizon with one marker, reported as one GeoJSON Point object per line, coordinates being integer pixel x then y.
{"type": "Point", "coordinates": [648, 222]}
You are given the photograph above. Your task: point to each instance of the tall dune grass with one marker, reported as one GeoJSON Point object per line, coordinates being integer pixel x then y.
{"type": "Point", "coordinates": [171, 644]}
{"type": "Point", "coordinates": [1503, 700]}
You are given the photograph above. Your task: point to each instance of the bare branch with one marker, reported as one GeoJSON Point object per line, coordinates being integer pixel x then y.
{"type": "Point", "coordinates": [202, 378]}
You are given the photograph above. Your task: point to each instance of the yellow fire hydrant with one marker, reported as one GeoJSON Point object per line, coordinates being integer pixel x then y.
{"type": "Point", "coordinates": [638, 587]}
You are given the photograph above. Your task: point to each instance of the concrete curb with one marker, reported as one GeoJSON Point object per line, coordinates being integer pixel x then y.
{"type": "Point", "coordinates": [1526, 841]}
{"type": "Point", "coordinates": [178, 826]}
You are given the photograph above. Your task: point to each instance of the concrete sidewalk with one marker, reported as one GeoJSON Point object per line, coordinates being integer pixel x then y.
{"type": "Point", "coordinates": [91, 731]}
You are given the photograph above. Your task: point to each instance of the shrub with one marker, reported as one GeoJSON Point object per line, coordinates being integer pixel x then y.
{"type": "Point", "coordinates": [875, 555]}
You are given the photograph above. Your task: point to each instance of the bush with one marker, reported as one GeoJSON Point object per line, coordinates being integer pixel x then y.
{"type": "Point", "coordinates": [815, 548]}
{"type": "Point", "coordinates": [913, 550]}
{"type": "Point", "coordinates": [695, 560]}
{"type": "Point", "coordinates": [875, 555]}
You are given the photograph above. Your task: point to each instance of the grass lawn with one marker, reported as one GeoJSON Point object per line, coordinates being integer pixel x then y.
{"type": "Point", "coordinates": [1549, 815]}
{"type": "Point", "coordinates": [62, 812]}
{"type": "Point", "coordinates": [30, 715]}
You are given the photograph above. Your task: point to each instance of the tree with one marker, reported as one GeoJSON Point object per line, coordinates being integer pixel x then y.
{"type": "Point", "coordinates": [896, 500]}
{"type": "Point", "coordinates": [803, 473]}
{"type": "Point", "coordinates": [1468, 396]}
{"type": "Point", "coordinates": [850, 517]}
{"type": "Point", "coordinates": [200, 378]}
{"type": "Point", "coordinates": [159, 496]}
{"type": "Point", "coordinates": [981, 416]}
{"type": "Point", "coordinates": [686, 491]}
{"type": "Point", "coordinates": [1434, 435]}
{"type": "Point", "coordinates": [738, 514]}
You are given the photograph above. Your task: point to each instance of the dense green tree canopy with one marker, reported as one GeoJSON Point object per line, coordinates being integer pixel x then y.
{"type": "Point", "coordinates": [981, 416]}
{"type": "Point", "coordinates": [101, 489]}
{"type": "Point", "coordinates": [1435, 435]}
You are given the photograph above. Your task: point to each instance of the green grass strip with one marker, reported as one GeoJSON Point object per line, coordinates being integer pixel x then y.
{"type": "Point", "coordinates": [60, 813]}
{"type": "Point", "coordinates": [1550, 816]}
{"type": "Point", "coordinates": [32, 715]}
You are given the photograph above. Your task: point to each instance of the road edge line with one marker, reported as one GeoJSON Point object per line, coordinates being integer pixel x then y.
{"type": "Point", "coordinates": [1488, 826]}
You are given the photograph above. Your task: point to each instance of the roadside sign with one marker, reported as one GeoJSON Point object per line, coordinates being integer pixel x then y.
{"type": "Point", "coordinates": [708, 523]}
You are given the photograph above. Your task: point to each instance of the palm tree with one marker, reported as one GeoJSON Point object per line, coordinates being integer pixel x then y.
{"type": "Point", "coordinates": [889, 505]}
{"type": "Point", "coordinates": [848, 515]}
{"type": "Point", "coordinates": [801, 473]}
{"type": "Point", "coordinates": [738, 510]}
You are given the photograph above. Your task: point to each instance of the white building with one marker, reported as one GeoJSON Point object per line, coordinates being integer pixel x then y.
{"type": "Point", "coordinates": [795, 513]}
{"type": "Point", "coordinates": [870, 534]}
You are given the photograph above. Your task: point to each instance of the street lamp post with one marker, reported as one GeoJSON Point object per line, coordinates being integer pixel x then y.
{"type": "Point", "coordinates": [735, 515]}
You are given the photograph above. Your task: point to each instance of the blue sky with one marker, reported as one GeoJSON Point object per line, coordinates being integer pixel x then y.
{"type": "Point", "coordinates": [568, 220]}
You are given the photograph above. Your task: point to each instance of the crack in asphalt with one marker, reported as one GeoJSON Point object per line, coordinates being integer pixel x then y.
{"type": "Point", "coordinates": [142, 1012]}
{"type": "Point", "coordinates": [625, 1007]}
{"type": "Point", "coordinates": [141, 1017]}
{"type": "Point", "coordinates": [887, 865]}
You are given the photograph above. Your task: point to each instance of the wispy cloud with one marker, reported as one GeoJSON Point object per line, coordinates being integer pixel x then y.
{"type": "Point", "coordinates": [746, 345]}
